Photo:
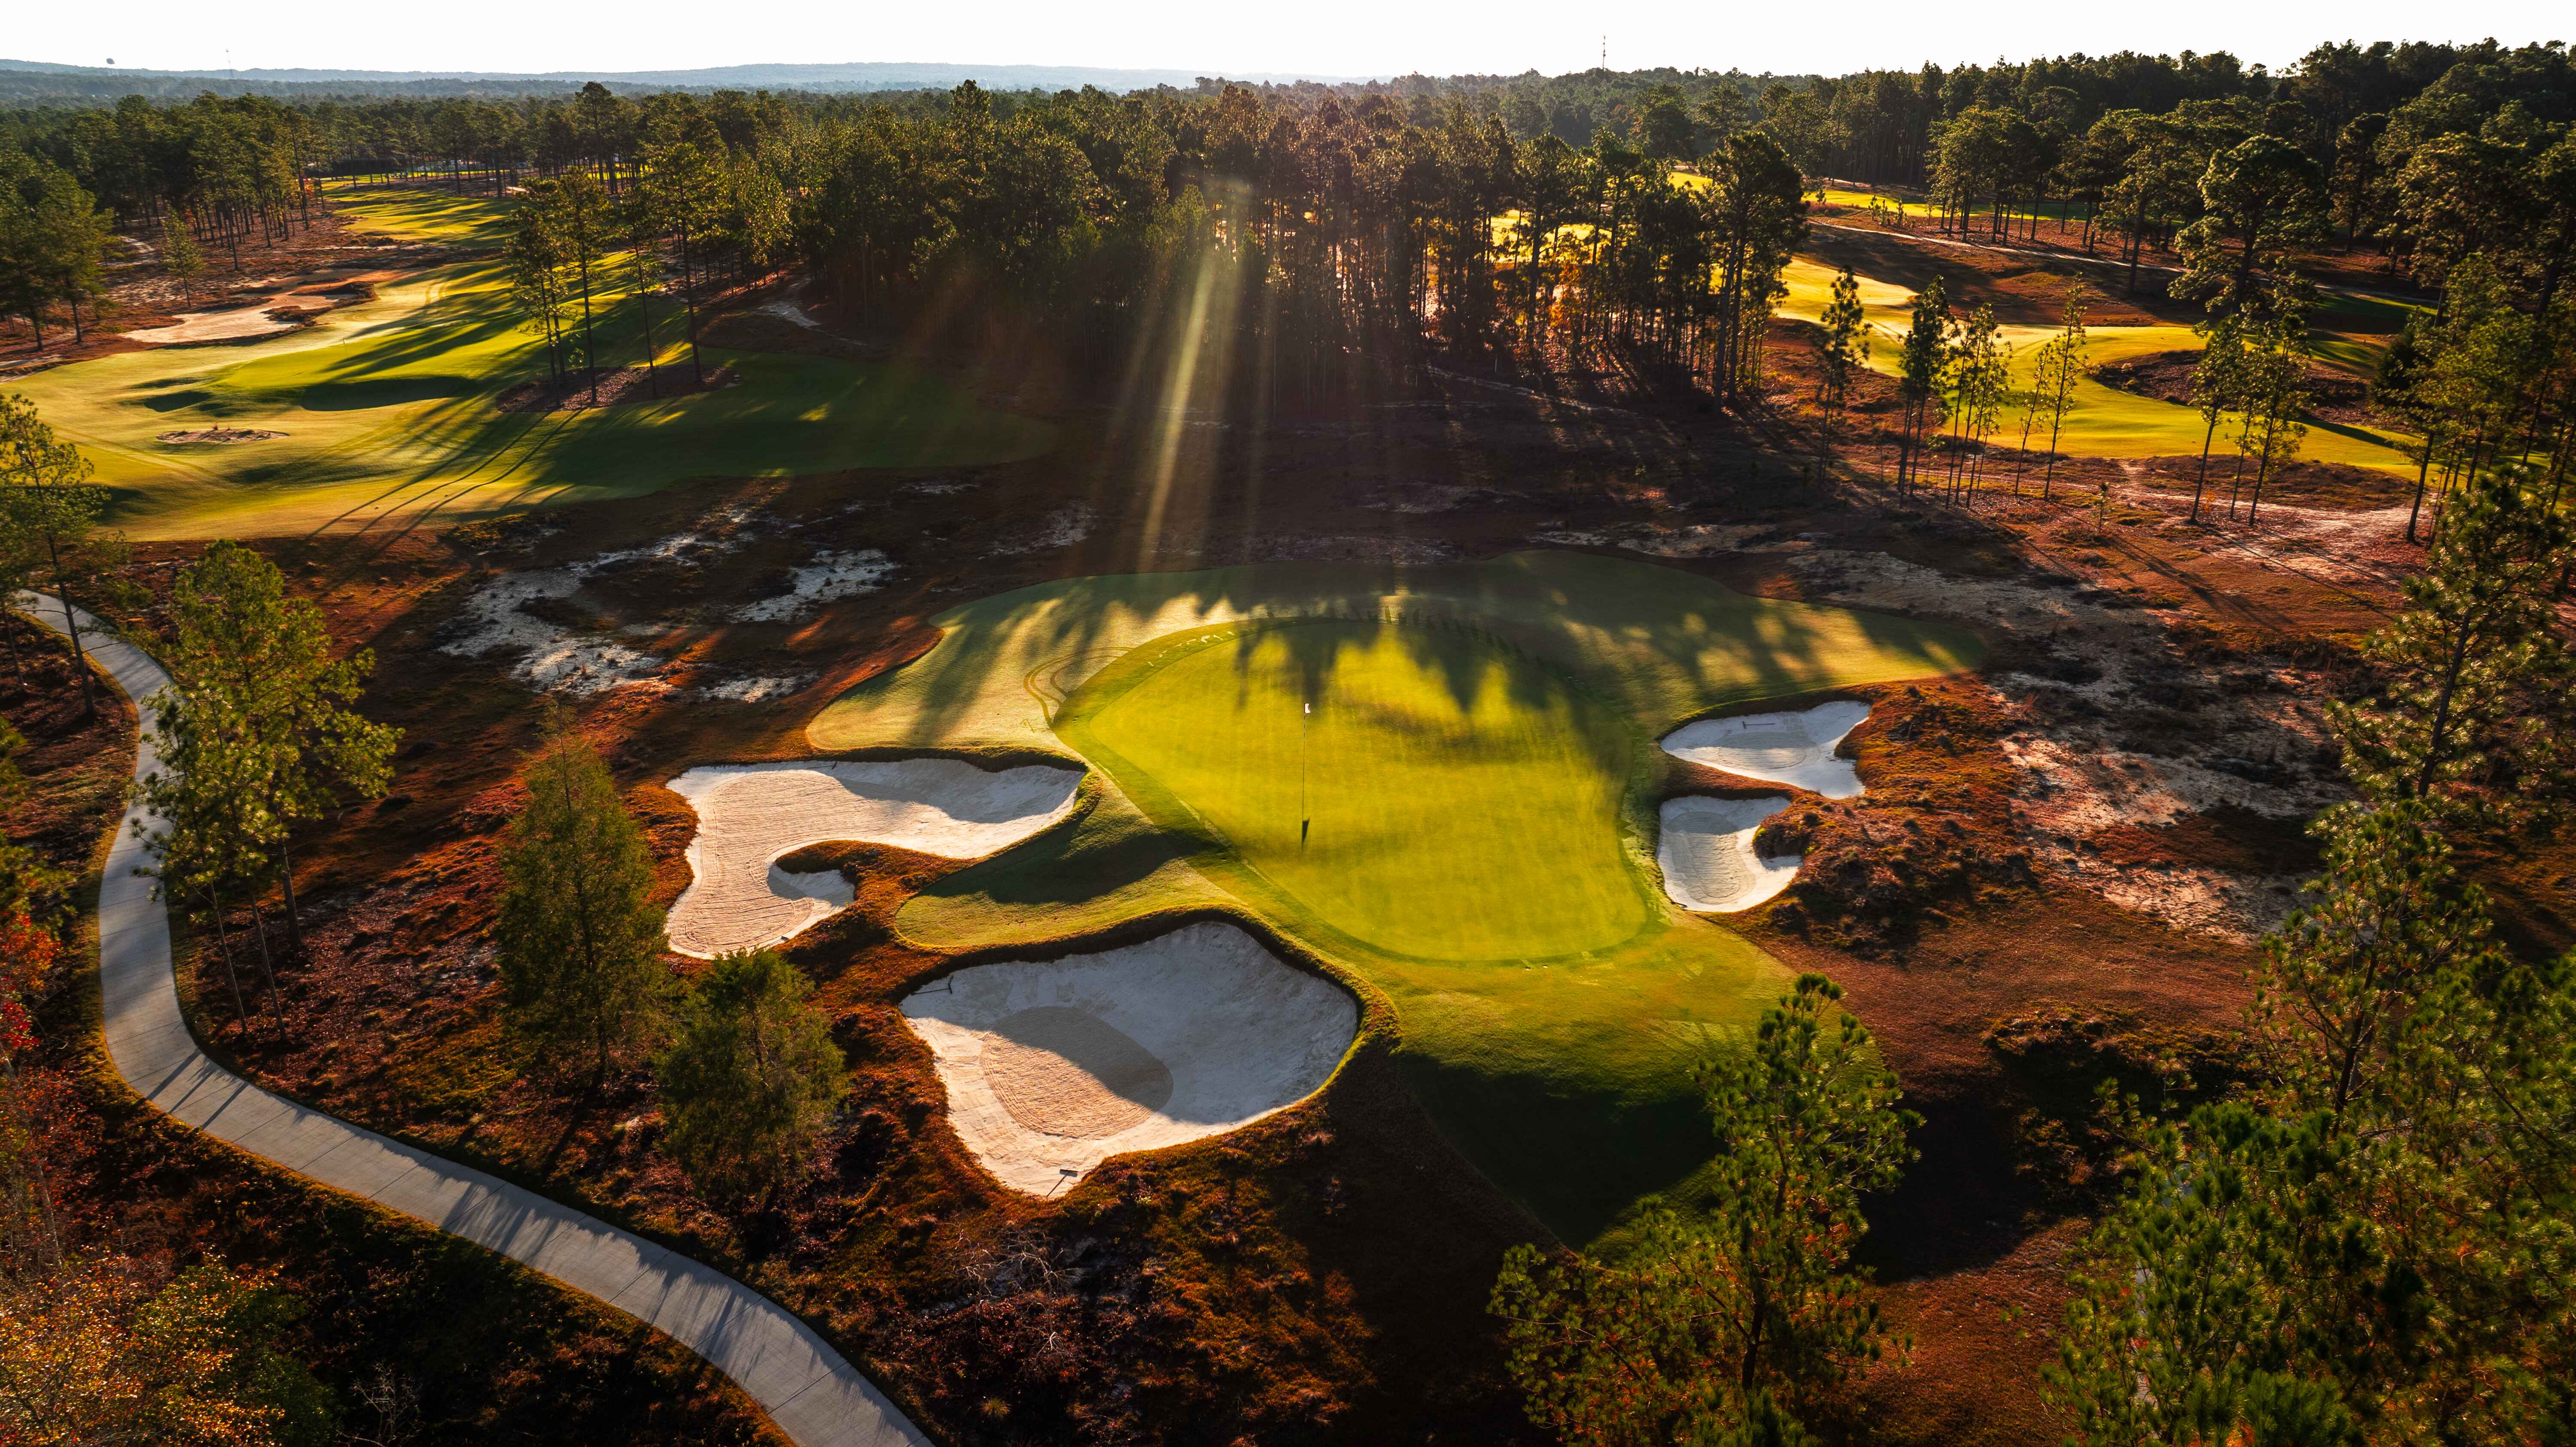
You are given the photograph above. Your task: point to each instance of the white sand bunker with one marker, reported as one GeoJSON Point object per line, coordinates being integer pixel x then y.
{"type": "Point", "coordinates": [1053, 1068]}
{"type": "Point", "coordinates": [1796, 749]}
{"type": "Point", "coordinates": [1706, 851]}
{"type": "Point", "coordinates": [750, 814]}
{"type": "Point", "coordinates": [239, 324]}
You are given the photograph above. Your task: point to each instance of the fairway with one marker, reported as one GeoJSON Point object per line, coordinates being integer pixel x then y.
{"type": "Point", "coordinates": [1467, 824]}
{"type": "Point", "coordinates": [388, 410]}
{"type": "Point", "coordinates": [2106, 421]}
{"type": "Point", "coordinates": [1420, 789]}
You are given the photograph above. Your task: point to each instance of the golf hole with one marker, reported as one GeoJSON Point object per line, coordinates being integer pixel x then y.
{"type": "Point", "coordinates": [1052, 1068]}
{"type": "Point", "coordinates": [750, 814]}
{"type": "Point", "coordinates": [1796, 749]}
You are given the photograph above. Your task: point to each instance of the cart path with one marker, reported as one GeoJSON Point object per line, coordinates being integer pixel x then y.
{"type": "Point", "coordinates": [816, 1398]}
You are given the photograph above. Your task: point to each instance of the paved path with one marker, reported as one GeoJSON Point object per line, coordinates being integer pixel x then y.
{"type": "Point", "coordinates": [815, 1397]}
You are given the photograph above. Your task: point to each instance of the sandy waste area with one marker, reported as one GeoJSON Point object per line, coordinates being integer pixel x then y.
{"type": "Point", "coordinates": [1796, 749]}
{"type": "Point", "coordinates": [1052, 1068]}
{"type": "Point", "coordinates": [233, 324]}
{"type": "Point", "coordinates": [750, 814]}
{"type": "Point", "coordinates": [1706, 852]}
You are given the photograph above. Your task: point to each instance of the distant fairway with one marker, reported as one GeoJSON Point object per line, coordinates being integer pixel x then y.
{"type": "Point", "coordinates": [1480, 776]}
{"type": "Point", "coordinates": [2108, 422]}
{"type": "Point", "coordinates": [388, 410]}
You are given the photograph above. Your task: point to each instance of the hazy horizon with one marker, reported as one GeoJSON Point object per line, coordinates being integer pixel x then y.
{"type": "Point", "coordinates": [1332, 38]}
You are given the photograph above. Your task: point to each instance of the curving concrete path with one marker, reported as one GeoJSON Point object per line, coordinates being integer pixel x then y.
{"type": "Point", "coordinates": [815, 1397]}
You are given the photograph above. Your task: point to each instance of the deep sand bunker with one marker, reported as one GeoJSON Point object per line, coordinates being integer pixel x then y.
{"type": "Point", "coordinates": [750, 814]}
{"type": "Point", "coordinates": [1796, 749]}
{"type": "Point", "coordinates": [1052, 1068]}
{"type": "Point", "coordinates": [1707, 855]}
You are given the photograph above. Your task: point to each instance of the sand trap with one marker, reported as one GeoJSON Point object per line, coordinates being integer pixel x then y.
{"type": "Point", "coordinates": [1707, 855]}
{"type": "Point", "coordinates": [750, 814]}
{"type": "Point", "coordinates": [1053, 1068]}
{"type": "Point", "coordinates": [1796, 749]}
{"type": "Point", "coordinates": [238, 324]}
{"type": "Point", "coordinates": [221, 435]}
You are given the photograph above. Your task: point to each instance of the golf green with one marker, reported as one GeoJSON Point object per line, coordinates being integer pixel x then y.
{"type": "Point", "coordinates": [386, 414]}
{"type": "Point", "coordinates": [1465, 822]}
{"type": "Point", "coordinates": [1423, 790]}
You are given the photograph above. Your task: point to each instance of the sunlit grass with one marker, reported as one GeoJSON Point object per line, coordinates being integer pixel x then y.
{"type": "Point", "coordinates": [388, 410]}
{"type": "Point", "coordinates": [1467, 822]}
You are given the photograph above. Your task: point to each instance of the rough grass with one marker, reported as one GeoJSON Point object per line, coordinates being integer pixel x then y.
{"type": "Point", "coordinates": [1483, 779]}
{"type": "Point", "coordinates": [388, 410]}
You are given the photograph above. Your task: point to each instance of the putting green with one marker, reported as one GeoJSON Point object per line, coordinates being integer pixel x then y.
{"type": "Point", "coordinates": [1421, 789]}
{"type": "Point", "coordinates": [1466, 820]}
{"type": "Point", "coordinates": [2106, 421]}
{"type": "Point", "coordinates": [388, 410]}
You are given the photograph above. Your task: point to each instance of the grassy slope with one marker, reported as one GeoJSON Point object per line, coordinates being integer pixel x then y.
{"type": "Point", "coordinates": [2105, 421]}
{"type": "Point", "coordinates": [1484, 864]}
{"type": "Point", "coordinates": [389, 416]}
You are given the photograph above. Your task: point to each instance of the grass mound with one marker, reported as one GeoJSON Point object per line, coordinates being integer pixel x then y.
{"type": "Point", "coordinates": [1466, 823]}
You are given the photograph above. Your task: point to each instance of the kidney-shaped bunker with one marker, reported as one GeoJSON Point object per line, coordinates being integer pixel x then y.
{"type": "Point", "coordinates": [1778, 748]}
{"type": "Point", "coordinates": [750, 814]}
{"type": "Point", "coordinates": [1054, 1067]}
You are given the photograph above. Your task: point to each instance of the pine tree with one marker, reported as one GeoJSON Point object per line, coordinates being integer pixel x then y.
{"type": "Point", "coordinates": [261, 706]}
{"type": "Point", "coordinates": [1923, 356]}
{"type": "Point", "coordinates": [1846, 348]}
{"type": "Point", "coordinates": [2474, 705]}
{"type": "Point", "coordinates": [50, 508]}
{"type": "Point", "coordinates": [580, 944]}
{"type": "Point", "coordinates": [749, 1079]}
{"type": "Point", "coordinates": [1719, 1321]}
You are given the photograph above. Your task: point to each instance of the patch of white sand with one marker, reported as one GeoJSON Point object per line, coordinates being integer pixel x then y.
{"type": "Point", "coordinates": [759, 687]}
{"type": "Point", "coordinates": [1796, 749]}
{"type": "Point", "coordinates": [1052, 1068]}
{"type": "Point", "coordinates": [750, 814]}
{"type": "Point", "coordinates": [1706, 852]}
{"type": "Point", "coordinates": [232, 325]}
{"type": "Point", "coordinates": [553, 657]}
{"type": "Point", "coordinates": [828, 579]}
{"type": "Point", "coordinates": [1063, 528]}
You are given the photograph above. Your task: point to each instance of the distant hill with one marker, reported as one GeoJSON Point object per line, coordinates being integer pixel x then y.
{"type": "Point", "coordinates": [35, 81]}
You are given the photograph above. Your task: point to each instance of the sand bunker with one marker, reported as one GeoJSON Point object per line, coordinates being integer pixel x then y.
{"type": "Point", "coordinates": [1796, 749]}
{"type": "Point", "coordinates": [750, 814]}
{"type": "Point", "coordinates": [221, 435]}
{"type": "Point", "coordinates": [1706, 851]}
{"type": "Point", "coordinates": [1053, 1068]}
{"type": "Point", "coordinates": [239, 324]}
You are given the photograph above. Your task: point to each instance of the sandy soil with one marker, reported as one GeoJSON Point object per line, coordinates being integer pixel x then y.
{"type": "Point", "coordinates": [1796, 749]}
{"type": "Point", "coordinates": [220, 435]}
{"type": "Point", "coordinates": [1706, 852]}
{"type": "Point", "coordinates": [2121, 733]}
{"type": "Point", "coordinates": [828, 579]}
{"type": "Point", "coordinates": [750, 814]}
{"type": "Point", "coordinates": [1052, 1068]}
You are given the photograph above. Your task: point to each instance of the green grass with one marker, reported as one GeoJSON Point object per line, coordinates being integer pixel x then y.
{"type": "Point", "coordinates": [2105, 421]}
{"type": "Point", "coordinates": [1480, 774]}
{"type": "Point", "coordinates": [1420, 789]}
{"type": "Point", "coordinates": [388, 410]}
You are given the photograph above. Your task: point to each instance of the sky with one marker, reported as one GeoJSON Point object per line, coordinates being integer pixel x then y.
{"type": "Point", "coordinates": [1308, 37]}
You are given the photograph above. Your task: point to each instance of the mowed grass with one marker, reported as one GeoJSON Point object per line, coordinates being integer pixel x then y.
{"type": "Point", "coordinates": [1479, 776]}
{"type": "Point", "coordinates": [2106, 421]}
{"type": "Point", "coordinates": [1424, 790]}
{"type": "Point", "coordinates": [388, 410]}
